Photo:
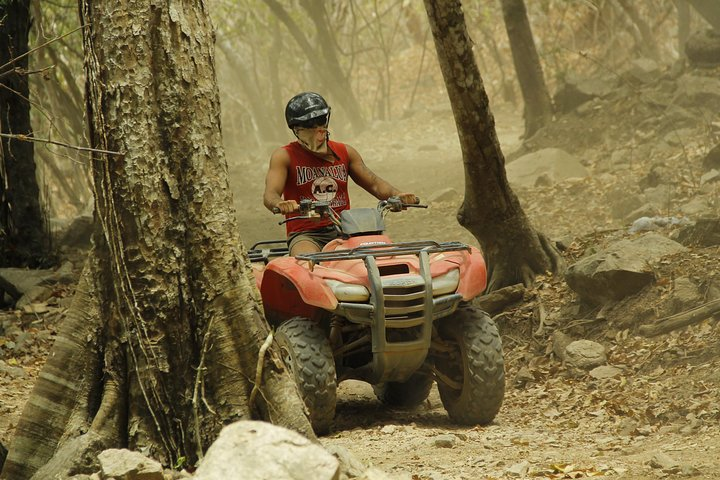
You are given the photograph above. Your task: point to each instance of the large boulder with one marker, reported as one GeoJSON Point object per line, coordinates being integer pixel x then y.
{"type": "Point", "coordinates": [622, 269]}
{"type": "Point", "coordinates": [123, 464]}
{"type": "Point", "coordinates": [703, 48]}
{"type": "Point", "coordinates": [549, 165]}
{"type": "Point", "coordinates": [573, 91]}
{"type": "Point", "coordinates": [705, 232]}
{"type": "Point", "coordinates": [254, 450]}
{"type": "Point", "coordinates": [24, 286]}
{"type": "Point", "coordinates": [695, 91]}
{"type": "Point", "coordinates": [585, 354]}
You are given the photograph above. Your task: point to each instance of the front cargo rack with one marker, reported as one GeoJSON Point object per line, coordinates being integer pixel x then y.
{"type": "Point", "coordinates": [384, 250]}
{"type": "Point", "coordinates": [256, 254]}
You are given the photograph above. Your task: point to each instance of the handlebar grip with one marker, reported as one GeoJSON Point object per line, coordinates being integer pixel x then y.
{"type": "Point", "coordinates": [276, 210]}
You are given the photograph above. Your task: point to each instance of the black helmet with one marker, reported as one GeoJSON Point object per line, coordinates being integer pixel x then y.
{"type": "Point", "coordinates": [307, 109]}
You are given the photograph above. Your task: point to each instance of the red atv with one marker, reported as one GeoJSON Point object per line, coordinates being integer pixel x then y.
{"type": "Point", "coordinates": [396, 315]}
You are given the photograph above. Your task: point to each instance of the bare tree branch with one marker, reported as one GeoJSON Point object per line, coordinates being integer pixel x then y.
{"type": "Point", "coordinates": [28, 138]}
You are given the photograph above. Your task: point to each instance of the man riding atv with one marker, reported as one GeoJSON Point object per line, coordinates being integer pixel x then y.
{"type": "Point", "coordinates": [317, 168]}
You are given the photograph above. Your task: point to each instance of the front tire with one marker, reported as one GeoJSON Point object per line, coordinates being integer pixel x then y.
{"type": "Point", "coordinates": [474, 367]}
{"type": "Point", "coordinates": [307, 353]}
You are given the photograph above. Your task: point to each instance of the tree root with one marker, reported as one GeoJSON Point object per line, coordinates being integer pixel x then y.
{"type": "Point", "coordinates": [683, 319]}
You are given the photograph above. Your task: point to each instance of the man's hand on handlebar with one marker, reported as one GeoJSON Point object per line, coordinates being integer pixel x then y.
{"type": "Point", "coordinates": [408, 198]}
{"type": "Point", "coordinates": [286, 206]}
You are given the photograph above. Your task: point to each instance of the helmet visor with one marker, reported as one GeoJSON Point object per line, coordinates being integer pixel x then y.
{"type": "Point", "coordinates": [317, 118]}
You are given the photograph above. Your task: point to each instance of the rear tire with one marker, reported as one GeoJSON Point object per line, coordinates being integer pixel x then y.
{"type": "Point", "coordinates": [407, 394]}
{"type": "Point", "coordinates": [307, 353]}
{"type": "Point", "coordinates": [476, 364]}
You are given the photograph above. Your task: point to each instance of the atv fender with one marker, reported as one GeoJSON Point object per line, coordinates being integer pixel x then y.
{"type": "Point", "coordinates": [288, 284]}
{"type": "Point", "coordinates": [473, 275]}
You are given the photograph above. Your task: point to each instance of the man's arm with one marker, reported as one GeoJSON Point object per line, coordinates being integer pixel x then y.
{"type": "Point", "coordinates": [275, 183]}
{"type": "Point", "coordinates": [367, 179]}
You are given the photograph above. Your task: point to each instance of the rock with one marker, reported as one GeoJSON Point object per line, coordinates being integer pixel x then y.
{"type": "Point", "coordinates": [622, 204]}
{"type": "Point", "coordinates": [648, 224]}
{"type": "Point", "coordinates": [518, 469]}
{"type": "Point", "coordinates": [350, 466]}
{"type": "Point", "coordinates": [78, 233]}
{"type": "Point", "coordinates": [585, 354]}
{"type": "Point", "coordinates": [574, 91]}
{"type": "Point", "coordinates": [693, 90]}
{"type": "Point", "coordinates": [65, 274]}
{"type": "Point", "coordinates": [30, 302]}
{"type": "Point", "coordinates": [14, 372]}
{"type": "Point", "coordinates": [605, 371]}
{"type": "Point", "coordinates": [696, 207]}
{"type": "Point", "coordinates": [664, 462]}
{"type": "Point", "coordinates": [560, 342]}
{"type": "Point", "coordinates": [645, 210]}
{"type": "Point", "coordinates": [705, 232]}
{"type": "Point", "coordinates": [684, 295]}
{"type": "Point", "coordinates": [678, 137]}
{"type": "Point", "coordinates": [642, 70]}
{"type": "Point", "coordinates": [523, 377]}
{"type": "Point", "coordinates": [658, 175]}
{"type": "Point", "coordinates": [445, 441]}
{"type": "Point", "coordinates": [703, 47]}
{"type": "Point", "coordinates": [550, 163]}
{"type": "Point", "coordinates": [17, 281]}
{"type": "Point", "coordinates": [658, 195]}
{"type": "Point", "coordinates": [676, 116]}
{"type": "Point", "coordinates": [621, 269]}
{"type": "Point", "coordinates": [710, 177]}
{"type": "Point", "coordinates": [712, 159]}
{"type": "Point", "coordinates": [255, 450]}
{"type": "Point", "coordinates": [123, 464]}
{"type": "Point", "coordinates": [445, 195]}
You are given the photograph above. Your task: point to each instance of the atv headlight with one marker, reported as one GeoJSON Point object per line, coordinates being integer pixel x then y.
{"type": "Point", "coordinates": [446, 283]}
{"type": "Point", "coordinates": [348, 292]}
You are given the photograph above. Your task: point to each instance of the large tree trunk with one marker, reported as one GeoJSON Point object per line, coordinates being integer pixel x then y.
{"type": "Point", "coordinates": [23, 238]}
{"type": "Point", "coordinates": [490, 210]}
{"type": "Point", "coordinates": [160, 347]}
{"type": "Point", "coordinates": [538, 107]}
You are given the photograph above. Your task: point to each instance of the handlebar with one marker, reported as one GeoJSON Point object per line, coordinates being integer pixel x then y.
{"type": "Point", "coordinates": [310, 209]}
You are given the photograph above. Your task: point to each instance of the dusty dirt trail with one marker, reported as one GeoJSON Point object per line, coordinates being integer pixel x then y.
{"type": "Point", "coordinates": [658, 419]}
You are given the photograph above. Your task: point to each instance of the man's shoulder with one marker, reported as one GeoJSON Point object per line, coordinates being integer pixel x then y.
{"type": "Point", "coordinates": [340, 148]}
{"type": "Point", "coordinates": [280, 154]}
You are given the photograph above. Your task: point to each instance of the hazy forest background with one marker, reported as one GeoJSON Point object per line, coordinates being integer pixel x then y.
{"type": "Point", "coordinates": [627, 165]}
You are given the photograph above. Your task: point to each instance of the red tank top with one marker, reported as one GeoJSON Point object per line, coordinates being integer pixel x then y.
{"type": "Point", "coordinates": [313, 178]}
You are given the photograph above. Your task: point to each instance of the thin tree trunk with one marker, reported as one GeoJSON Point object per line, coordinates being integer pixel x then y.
{"type": "Point", "coordinates": [267, 130]}
{"type": "Point", "coordinates": [170, 308]}
{"type": "Point", "coordinates": [23, 236]}
{"type": "Point", "coordinates": [490, 211]}
{"type": "Point", "coordinates": [647, 41]}
{"type": "Point", "coordinates": [683, 13]}
{"type": "Point", "coordinates": [538, 107]}
{"type": "Point", "coordinates": [324, 60]}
